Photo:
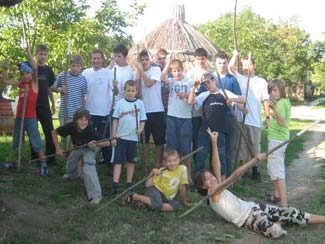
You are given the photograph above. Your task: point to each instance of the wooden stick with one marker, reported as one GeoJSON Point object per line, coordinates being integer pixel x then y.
{"type": "Point", "coordinates": [243, 169]}
{"type": "Point", "coordinates": [21, 132]}
{"type": "Point", "coordinates": [251, 151]}
{"type": "Point", "coordinates": [109, 119]}
{"type": "Point", "coordinates": [78, 147]}
{"type": "Point", "coordinates": [244, 116]}
{"type": "Point", "coordinates": [143, 180]}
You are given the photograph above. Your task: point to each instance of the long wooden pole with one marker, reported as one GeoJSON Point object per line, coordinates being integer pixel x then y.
{"type": "Point", "coordinates": [243, 169]}
{"type": "Point", "coordinates": [21, 131]}
{"type": "Point", "coordinates": [143, 180]}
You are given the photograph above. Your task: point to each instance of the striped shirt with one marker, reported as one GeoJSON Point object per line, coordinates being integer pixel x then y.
{"type": "Point", "coordinates": [76, 90]}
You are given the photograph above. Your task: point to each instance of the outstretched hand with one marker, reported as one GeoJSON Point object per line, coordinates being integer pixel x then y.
{"type": "Point", "coordinates": [213, 134]}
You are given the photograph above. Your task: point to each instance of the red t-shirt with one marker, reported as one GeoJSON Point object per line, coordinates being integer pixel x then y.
{"type": "Point", "coordinates": [31, 101]}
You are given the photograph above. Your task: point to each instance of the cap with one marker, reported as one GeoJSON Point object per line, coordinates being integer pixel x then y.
{"type": "Point", "coordinates": [206, 77]}
{"type": "Point", "coordinates": [25, 67]}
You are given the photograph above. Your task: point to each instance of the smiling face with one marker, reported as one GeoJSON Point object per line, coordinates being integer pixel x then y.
{"type": "Point", "coordinates": [201, 61]}
{"type": "Point", "coordinates": [82, 123]}
{"type": "Point", "coordinates": [25, 77]}
{"type": "Point", "coordinates": [96, 60]}
{"type": "Point", "coordinates": [275, 93]}
{"type": "Point", "coordinates": [209, 181]}
{"type": "Point", "coordinates": [211, 85]}
{"type": "Point", "coordinates": [172, 161]}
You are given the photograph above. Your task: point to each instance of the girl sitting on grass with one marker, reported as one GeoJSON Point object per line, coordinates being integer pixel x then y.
{"type": "Point", "coordinates": [261, 218]}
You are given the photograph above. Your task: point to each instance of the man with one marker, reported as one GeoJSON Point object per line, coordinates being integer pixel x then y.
{"type": "Point", "coordinates": [257, 94]}
{"type": "Point", "coordinates": [99, 99]}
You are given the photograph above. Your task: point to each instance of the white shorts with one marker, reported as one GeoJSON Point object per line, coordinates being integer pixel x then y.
{"type": "Point", "coordinates": [275, 162]}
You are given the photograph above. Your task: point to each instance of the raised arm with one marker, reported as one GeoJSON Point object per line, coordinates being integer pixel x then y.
{"type": "Point", "coordinates": [34, 66]}
{"type": "Point", "coordinates": [232, 66]}
{"type": "Point", "coordinates": [215, 155]}
{"type": "Point", "coordinates": [192, 95]}
{"type": "Point", "coordinates": [4, 77]}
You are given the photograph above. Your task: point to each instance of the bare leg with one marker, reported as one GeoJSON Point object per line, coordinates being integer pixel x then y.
{"type": "Point", "coordinates": [129, 172]}
{"type": "Point", "coordinates": [316, 219]}
{"type": "Point", "coordinates": [117, 172]}
{"type": "Point", "coordinates": [283, 192]}
{"type": "Point", "coordinates": [187, 163]}
{"type": "Point", "coordinates": [146, 200]}
{"type": "Point", "coordinates": [276, 193]}
{"type": "Point", "coordinates": [167, 207]}
{"type": "Point", "coordinates": [159, 149]}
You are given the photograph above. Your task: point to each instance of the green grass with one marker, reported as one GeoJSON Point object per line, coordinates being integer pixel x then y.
{"type": "Point", "coordinates": [53, 210]}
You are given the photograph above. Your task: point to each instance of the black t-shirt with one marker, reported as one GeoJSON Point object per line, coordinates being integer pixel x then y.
{"type": "Point", "coordinates": [46, 79]}
{"type": "Point", "coordinates": [214, 113]}
{"type": "Point", "coordinates": [79, 138]}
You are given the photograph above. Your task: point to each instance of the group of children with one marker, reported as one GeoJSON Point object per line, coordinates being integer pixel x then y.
{"type": "Point", "coordinates": [198, 114]}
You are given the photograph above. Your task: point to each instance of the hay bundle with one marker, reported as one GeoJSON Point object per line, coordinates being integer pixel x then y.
{"type": "Point", "coordinates": [178, 37]}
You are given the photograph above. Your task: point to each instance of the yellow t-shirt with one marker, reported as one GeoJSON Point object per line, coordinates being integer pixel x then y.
{"type": "Point", "coordinates": [169, 181]}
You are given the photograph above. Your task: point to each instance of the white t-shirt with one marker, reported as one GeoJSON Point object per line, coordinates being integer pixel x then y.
{"type": "Point", "coordinates": [257, 93]}
{"type": "Point", "coordinates": [196, 74]}
{"type": "Point", "coordinates": [123, 74]}
{"type": "Point", "coordinates": [231, 208]}
{"type": "Point", "coordinates": [99, 99]}
{"type": "Point", "coordinates": [151, 96]}
{"type": "Point", "coordinates": [179, 107]}
{"type": "Point", "coordinates": [126, 114]}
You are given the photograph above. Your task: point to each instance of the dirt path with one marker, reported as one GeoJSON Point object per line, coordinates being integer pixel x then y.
{"type": "Point", "coordinates": [302, 175]}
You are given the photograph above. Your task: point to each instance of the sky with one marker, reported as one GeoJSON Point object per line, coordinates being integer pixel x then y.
{"type": "Point", "coordinates": [310, 13]}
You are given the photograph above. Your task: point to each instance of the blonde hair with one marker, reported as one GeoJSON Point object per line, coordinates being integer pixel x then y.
{"type": "Point", "coordinates": [176, 64]}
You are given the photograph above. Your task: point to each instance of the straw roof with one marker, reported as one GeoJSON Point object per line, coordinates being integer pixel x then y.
{"type": "Point", "coordinates": [177, 37]}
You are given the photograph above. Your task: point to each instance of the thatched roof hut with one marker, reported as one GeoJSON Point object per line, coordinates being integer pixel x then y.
{"type": "Point", "coordinates": [178, 37]}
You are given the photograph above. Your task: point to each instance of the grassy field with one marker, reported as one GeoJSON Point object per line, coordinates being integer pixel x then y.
{"type": "Point", "coordinates": [35, 209]}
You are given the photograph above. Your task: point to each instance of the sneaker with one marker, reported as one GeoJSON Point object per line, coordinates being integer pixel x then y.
{"type": "Point", "coordinates": [44, 170]}
{"type": "Point", "coordinates": [96, 200]}
{"type": "Point", "coordinates": [128, 185]}
{"type": "Point", "coordinates": [66, 176]}
{"type": "Point", "coordinates": [113, 193]}
{"type": "Point", "coordinates": [8, 165]}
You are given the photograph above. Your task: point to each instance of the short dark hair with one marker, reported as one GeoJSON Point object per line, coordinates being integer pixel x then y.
{"type": "Point", "coordinates": [199, 182]}
{"type": "Point", "coordinates": [201, 52]}
{"type": "Point", "coordinates": [130, 83]}
{"type": "Point", "coordinates": [81, 113]}
{"type": "Point", "coordinates": [121, 49]}
{"type": "Point", "coordinates": [76, 59]}
{"type": "Point", "coordinates": [222, 55]}
{"type": "Point", "coordinates": [144, 53]}
{"type": "Point", "coordinates": [280, 85]}
{"type": "Point", "coordinates": [97, 51]}
{"type": "Point", "coordinates": [41, 48]}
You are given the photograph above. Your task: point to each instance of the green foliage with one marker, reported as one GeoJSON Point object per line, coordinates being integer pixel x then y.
{"type": "Point", "coordinates": [281, 50]}
{"type": "Point", "coordinates": [57, 22]}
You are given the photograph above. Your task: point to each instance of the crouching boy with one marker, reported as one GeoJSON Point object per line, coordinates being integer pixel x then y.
{"type": "Point", "coordinates": [81, 134]}
{"type": "Point", "coordinates": [164, 185]}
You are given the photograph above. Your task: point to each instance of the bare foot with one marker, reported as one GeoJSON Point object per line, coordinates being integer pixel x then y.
{"type": "Point", "coordinates": [96, 200]}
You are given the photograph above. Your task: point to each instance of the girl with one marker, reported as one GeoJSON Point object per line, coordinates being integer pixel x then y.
{"type": "Point", "coordinates": [277, 133]}
{"type": "Point", "coordinates": [260, 218]}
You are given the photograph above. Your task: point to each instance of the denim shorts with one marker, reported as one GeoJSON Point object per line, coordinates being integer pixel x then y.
{"type": "Point", "coordinates": [157, 199]}
{"type": "Point", "coordinates": [30, 126]}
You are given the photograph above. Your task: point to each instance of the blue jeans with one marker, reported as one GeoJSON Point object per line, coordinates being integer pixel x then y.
{"type": "Point", "coordinates": [196, 124]}
{"type": "Point", "coordinates": [30, 126]}
{"type": "Point", "coordinates": [231, 140]}
{"type": "Point", "coordinates": [99, 123]}
{"type": "Point", "coordinates": [201, 156]}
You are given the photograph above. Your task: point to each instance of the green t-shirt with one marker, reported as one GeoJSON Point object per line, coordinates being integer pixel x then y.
{"type": "Point", "coordinates": [277, 132]}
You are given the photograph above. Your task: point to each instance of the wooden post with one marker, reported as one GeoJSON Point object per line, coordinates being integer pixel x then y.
{"type": "Point", "coordinates": [21, 131]}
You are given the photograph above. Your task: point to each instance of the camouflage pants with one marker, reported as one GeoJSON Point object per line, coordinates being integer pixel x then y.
{"type": "Point", "coordinates": [266, 219]}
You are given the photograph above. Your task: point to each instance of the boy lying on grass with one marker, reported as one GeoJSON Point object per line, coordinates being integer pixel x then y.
{"type": "Point", "coordinates": [261, 218]}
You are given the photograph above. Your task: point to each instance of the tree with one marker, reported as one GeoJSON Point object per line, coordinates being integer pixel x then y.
{"type": "Point", "coordinates": [281, 50]}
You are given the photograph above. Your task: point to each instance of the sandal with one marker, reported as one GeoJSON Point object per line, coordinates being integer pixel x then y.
{"type": "Point", "coordinates": [127, 198]}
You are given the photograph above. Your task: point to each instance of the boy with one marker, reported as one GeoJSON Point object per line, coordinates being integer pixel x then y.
{"type": "Point", "coordinates": [129, 112]}
{"type": "Point", "coordinates": [29, 77]}
{"type": "Point", "coordinates": [201, 67]}
{"type": "Point", "coordinates": [179, 123]}
{"type": "Point", "coordinates": [82, 133]}
{"type": "Point", "coordinates": [122, 71]}
{"type": "Point", "coordinates": [75, 89]}
{"type": "Point", "coordinates": [164, 185]}
{"type": "Point", "coordinates": [149, 78]}
{"type": "Point", "coordinates": [46, 79]}
{"type": "Point", "coordinates": [214, 106]}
